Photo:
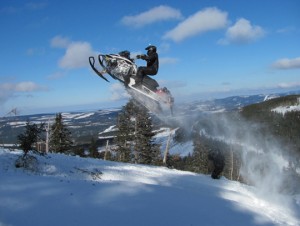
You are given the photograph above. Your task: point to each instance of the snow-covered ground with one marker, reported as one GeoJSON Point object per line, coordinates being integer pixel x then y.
{"type": "Point", "coordinates": [66, 190]}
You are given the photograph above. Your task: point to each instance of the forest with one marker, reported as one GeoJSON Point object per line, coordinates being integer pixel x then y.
{"type": "Point", "coordinates": [222, 142]}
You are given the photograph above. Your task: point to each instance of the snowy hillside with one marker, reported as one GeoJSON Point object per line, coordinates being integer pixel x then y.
{"type": "Point", "coordinates": [284, 109]}
{"type": "Point", "coordinates": [65, 190]}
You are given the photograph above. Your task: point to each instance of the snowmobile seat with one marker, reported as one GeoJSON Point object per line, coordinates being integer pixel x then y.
{"type": "Point", "coordinates": [150, 83]}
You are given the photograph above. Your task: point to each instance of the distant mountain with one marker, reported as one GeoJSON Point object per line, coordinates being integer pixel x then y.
{"type": "Point", "coordinates": [233, 102]}
{"type": "Point", "coordinates": [225, 104]}
{"type": "Point", "coordinates": [100, 124]}
{"type": "Point", "coordinates": [83, 125]}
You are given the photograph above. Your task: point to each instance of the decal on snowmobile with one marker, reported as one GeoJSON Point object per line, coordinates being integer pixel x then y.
{"type": "Point", "coordinates": [123, 69]}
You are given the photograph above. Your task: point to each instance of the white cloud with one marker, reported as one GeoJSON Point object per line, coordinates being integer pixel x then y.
{"type": "Point", "coordinates": [286, 30]}
{"type": "Point", "coordinates": [20, 87]}
{"type": "Point", "coordinates": [203, 21]}
{"type": "Point", "coordinates": [287, 63]}
{"type": "Point", "coordinates": [56, 75]}
{"type": "Point", "coordinates": [289, 85]}
{"type": "Point", "coordinates": [160, 13]}
{"type": "Point", "coordinates": [35, 51]}
{"type": "Point", "coordinates": [8, 90]}
{"type": "Point", "coordinates": [76, 55]}
{"type": "Point", "coordinates": [60, 42]}
{"type": "Point", "coordinates": [26, 87]}
{"type": "Point", "coordinates": [242, 32]}
{"type": "Point", "coordinates": [164, 47]}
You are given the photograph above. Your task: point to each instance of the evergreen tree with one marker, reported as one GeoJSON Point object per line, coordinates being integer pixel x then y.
{"type": "Point", "coordinates": [125, 134]}
{"type": "Point", "coordinates": [60, 138]}
{"type": "Point", "coordinates": [200, 161]}
{"type": "Point", "coordinates": [147, 151]}
{"type": "Point", "coordinates": [29, 137]}
{"type": "Point", "coordinates": [93, 149]}
{"type": "Point", "coordinates": [134, 137]}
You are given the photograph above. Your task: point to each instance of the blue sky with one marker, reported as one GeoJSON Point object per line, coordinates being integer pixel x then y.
{"type": "Point", "coordinates": [207, 49]}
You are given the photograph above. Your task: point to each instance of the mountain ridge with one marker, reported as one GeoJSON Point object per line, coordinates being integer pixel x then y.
{"type": "Point", "coordinates": [87, 124]}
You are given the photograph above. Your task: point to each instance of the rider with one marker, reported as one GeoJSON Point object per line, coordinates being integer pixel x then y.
{"type": "Point", "coordinates": [152, 65]}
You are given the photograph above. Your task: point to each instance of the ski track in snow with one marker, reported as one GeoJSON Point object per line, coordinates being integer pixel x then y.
{"type": "Point", "coordinates": [68, 190]}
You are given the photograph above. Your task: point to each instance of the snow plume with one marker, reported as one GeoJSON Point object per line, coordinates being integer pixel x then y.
{"type": "Point", "coordinates": [145, 101]}
{"type": "Point", "coordinates": [265, 161]}
{"type": "Point", "coordinates": [118, 92]}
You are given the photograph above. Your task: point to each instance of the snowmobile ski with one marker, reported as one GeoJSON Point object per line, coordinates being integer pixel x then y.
{"type": "Point", "coordinates": [92, 63]}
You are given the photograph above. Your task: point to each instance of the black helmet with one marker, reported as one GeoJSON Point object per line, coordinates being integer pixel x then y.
{"type": "Point", "coordinates": [151, 48]}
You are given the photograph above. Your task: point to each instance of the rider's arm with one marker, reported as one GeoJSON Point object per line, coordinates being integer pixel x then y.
{"type": "Point", "coordinates": [148, 58]}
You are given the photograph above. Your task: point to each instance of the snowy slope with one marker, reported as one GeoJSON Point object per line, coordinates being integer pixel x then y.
{"type": "Point", "coordinates": [67, 190]}
{"type": "Point", "coordinates": [284, 109]}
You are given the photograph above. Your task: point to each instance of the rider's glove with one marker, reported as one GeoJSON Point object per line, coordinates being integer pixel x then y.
{"type": "Point", "coordinates": [138, 56]}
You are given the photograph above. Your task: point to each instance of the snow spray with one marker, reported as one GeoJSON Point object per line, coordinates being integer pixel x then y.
{"type": "Point", "coordinates": [266, 162]}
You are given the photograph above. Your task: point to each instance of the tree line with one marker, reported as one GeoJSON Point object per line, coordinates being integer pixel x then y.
{"type": "Point", "coordinates": [56, 138]}
{"type": "Point", "coordinates": [134, 143]}
{"type": "Point", "coordinates": [134, 140]}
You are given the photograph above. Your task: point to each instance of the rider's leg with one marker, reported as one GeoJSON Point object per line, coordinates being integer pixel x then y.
{"type": "Point", "coordinates": [139, 76]}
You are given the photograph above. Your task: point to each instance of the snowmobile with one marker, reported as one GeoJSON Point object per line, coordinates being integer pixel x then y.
{"type": "Point", "coordinates": [122, 68]}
